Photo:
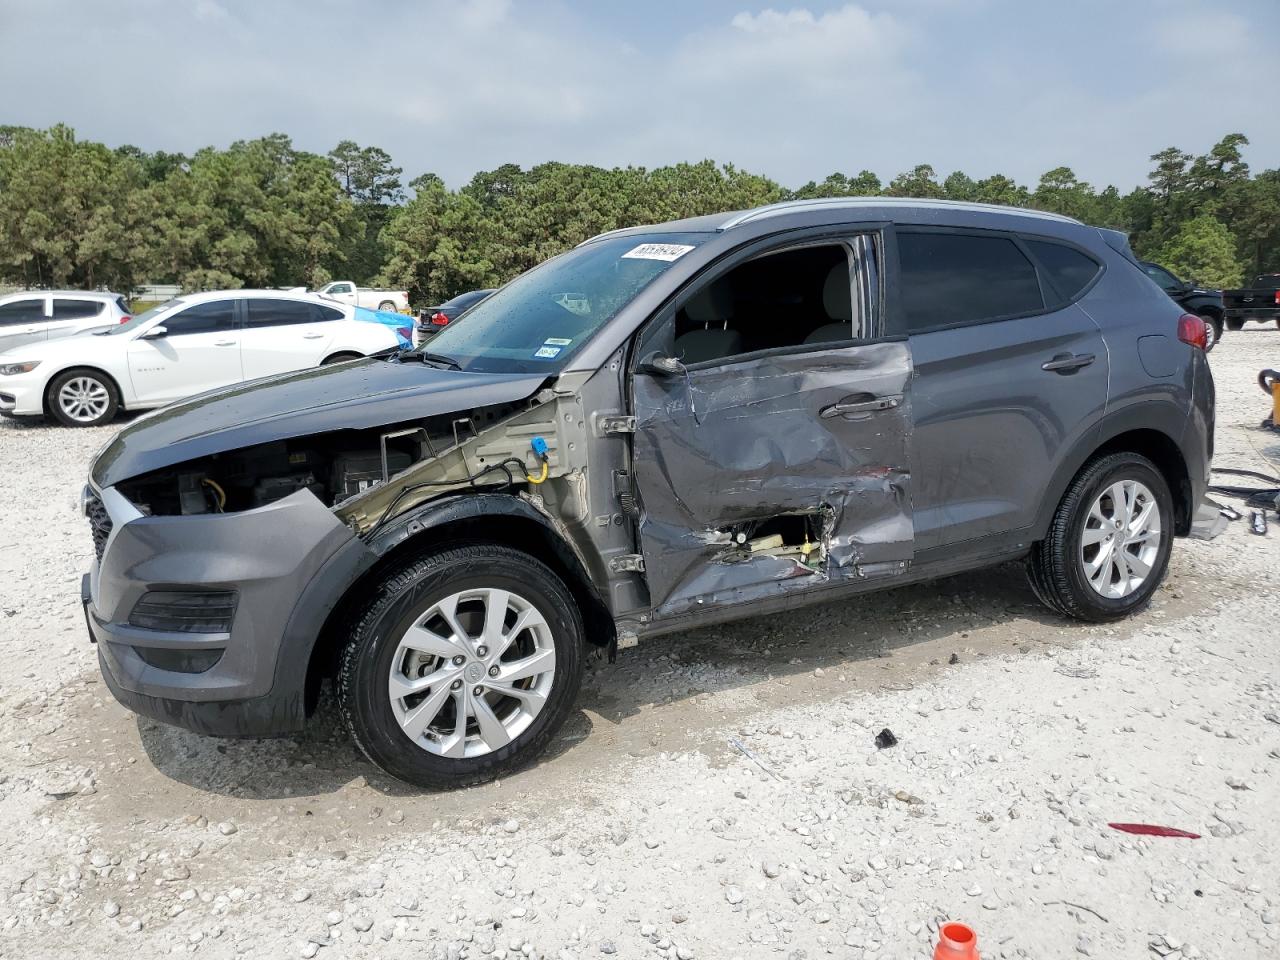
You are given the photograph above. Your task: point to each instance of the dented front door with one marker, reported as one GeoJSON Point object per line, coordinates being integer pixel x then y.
{"type": "Point", "coordinates": [724, 449]}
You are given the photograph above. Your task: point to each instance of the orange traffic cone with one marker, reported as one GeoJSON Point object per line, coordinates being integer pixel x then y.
{"type": "Point", "coordinates": [956, 942]}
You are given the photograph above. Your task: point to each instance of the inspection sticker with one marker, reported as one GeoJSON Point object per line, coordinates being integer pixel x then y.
{"type": "Point", "coordinates": [556, 342]}
{"type": "Point", "coordinates": [657, 251]}
{"type": "Point", "coordinates": [547, 353]}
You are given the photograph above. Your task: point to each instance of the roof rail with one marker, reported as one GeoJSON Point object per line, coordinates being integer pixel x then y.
{"type": "Point", "coordinates": [845, 203]}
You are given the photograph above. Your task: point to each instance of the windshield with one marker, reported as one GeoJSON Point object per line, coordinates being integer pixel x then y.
{"type": "Point", "coordinates": [539, 320]}
{"type": "Point", "coordinates": [134, 322]}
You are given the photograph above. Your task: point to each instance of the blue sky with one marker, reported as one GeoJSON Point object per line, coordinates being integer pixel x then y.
{"type": "Point", "coordinates": [792, 90]}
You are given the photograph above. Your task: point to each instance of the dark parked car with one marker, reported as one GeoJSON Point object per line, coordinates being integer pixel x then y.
{"type": "Point", "coordinates": [1259, 301]}
{"type": "Point", "coordinates": [664, 428]}
{"type": "Point", "coordinates": [1204, 302]}
{"type": "Point", "coordinates": [431, 320]}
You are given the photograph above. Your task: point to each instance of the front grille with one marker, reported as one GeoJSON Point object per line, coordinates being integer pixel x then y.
{"type": "Point", "coordinates": [99, 522]}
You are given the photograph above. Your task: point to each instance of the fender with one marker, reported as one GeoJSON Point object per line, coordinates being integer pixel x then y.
{"type": "Point", "coordinates": [1162, 416]}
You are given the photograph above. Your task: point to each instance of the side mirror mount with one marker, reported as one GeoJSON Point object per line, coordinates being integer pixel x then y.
{"type": "Point", "coordinates": [660, 365]}
{"type": "Point", "coordinates": [155, 333]}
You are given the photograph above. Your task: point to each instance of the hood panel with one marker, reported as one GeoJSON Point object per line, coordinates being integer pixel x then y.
{"type": "Point", "coordinates": [346, 396]}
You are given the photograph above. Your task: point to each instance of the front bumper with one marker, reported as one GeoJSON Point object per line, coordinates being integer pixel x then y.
{"type": "Point", "coordinates": [287, 562]}
{"type": "Point", "coordinates": [22, 395]}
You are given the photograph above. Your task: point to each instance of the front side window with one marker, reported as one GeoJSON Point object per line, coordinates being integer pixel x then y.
{"type": "Point", "coordinates": [284, 313]}
{"type": "Point", "coordinates": [22, 311]}
{"type": "Point", "coordinates": [538, 321]}
{"type": "Point", "coordinates": [76, 309]}
{"type": "Point", "coordinates": [339, 288]}
{"type": "Point", "coordinates": [946, 279]}
{"type": "Point", "coordinates": [1167, 281]}
{"type": "Point", "coordinates": [215, 317]}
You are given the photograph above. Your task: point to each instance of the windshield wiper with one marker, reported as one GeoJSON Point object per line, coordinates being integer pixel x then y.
{"type": "Point", "coordinates": [440, 359]}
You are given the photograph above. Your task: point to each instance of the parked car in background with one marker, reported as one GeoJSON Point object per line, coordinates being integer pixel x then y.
{"type": "Point", "coordinates": [433, 319]}
{"type": "Point", "coordinates": [389, 300]}
{"type": "Point", "coordinates": [36, 316]}
{"type": "Point", "coordinates": [194, 343]}
{"type": "Point", "coordinates": [1204, 302]}
{"type": "Point", "coordinates": [1259, 301]}
{"type": "Point", "coordinates": [624, 442]}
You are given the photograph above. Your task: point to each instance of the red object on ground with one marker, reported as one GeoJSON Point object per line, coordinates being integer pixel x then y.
{"type": "Point", "coordinates": [1151, 830]}
{"type": "Point", "coordinates": [956, 942]}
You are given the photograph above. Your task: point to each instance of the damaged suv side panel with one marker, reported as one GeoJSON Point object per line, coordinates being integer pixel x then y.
{"type": "Point", "coordinates": [727, 455]}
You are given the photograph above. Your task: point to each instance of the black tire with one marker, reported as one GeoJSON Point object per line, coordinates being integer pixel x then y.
{"type": "Point", "coordinates": [1214, 327]}
{"type": "Point", "coordinates": [1235, 324]}
{"type": "Point", "coordinates": [340, 358]}
{"type": "Point", "coordinates": [99, 380]}
{"type": "Point", "coordinates": [408, 592]}
{"type": "Point", "coordinates": [389, 306]}
{"type": "Point", "coordinates": [1053, 567]}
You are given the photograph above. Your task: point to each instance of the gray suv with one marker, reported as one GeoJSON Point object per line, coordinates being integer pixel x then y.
{"type": "Point", "coordinates": [665, 427]}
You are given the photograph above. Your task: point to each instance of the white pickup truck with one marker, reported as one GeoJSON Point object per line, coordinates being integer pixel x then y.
{"type": "Point", "coordinates": [394, 301]}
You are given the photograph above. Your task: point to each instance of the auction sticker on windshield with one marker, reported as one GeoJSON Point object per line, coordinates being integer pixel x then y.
{"type": "Point", "coordinates": [657, 251]}
{"type": "Point", "coordinates": [547, 353]}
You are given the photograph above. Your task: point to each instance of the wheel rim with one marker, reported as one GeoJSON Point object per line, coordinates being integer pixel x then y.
{"type": "Point", "coordinates": [471, 674]}
{"type": "Point", "coordinates": [1210, 335]}
{"type": "Point", "coordinates": [83, 399]}
{"type": "Point", "coordinates": [1121, 539]}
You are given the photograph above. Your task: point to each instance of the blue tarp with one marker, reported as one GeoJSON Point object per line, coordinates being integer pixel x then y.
{"type": "Point", "coordinates": [401, 323]}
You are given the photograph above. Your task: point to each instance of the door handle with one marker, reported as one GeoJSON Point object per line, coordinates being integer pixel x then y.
{"type": "Point", "coordinates": [224, 343]}
{"type": "Point", "coordinates": [312, 336]}
{"type": "Point", "coordinates": [852, 405]}
{"type": "Point", "coordinates": [1068, 362]}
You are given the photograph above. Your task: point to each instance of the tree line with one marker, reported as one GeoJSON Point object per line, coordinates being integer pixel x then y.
{"type": "Point", "coordinates": [261, 213]}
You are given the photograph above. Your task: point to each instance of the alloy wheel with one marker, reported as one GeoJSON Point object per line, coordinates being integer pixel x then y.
{"type": "Point", "coordinates": [83, 399]}
{"type": "Point", "coordinates": [1121, 539]}
{"type": "Point", "coordinates": [472, 673]}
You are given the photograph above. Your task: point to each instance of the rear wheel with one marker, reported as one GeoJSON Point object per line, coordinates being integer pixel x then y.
{"type": "Point", "coordinates": [462, 667]}
{"type": "Point", "coordinates": [1108, 545]}
{"type": "Point", "coordinates": [389, 306]}
{"type": "Point", "coordinates": [83, 398]}
{"type": "Point", "coordinates": [1235, 324]}
{"type": "Point", "coordinates": [340, 358]}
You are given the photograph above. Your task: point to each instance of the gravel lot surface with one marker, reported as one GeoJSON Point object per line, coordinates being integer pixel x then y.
{"type": "Point", "coordinates": [717, 795]}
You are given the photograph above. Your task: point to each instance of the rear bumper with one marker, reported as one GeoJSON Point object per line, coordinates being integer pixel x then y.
{"type": "Point", "coordinates": [277, 559]}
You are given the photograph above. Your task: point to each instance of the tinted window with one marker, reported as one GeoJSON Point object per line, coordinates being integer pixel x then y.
{"type": "Point", "coordinates": [339, 288]}
{"type": "Point", "coordinates": [283, 313]}
{"type": "Point", "coordinates": [464, 300]}
{"type": "Point", "coordinates": [76, 309]}
{"type": "Point", "coordinates": [1069, 270]}
{"type": "Point", "coordinates": [202, 318]}
{"type": "Point", "coordinates": [950, 278]}
{"type": "Point", "coordinates": [22, 311]}
{"type": "Point", "coordinates": [1161, 276]}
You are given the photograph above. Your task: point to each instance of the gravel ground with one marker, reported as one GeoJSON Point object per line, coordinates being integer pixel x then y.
{"type": "Point", "coordinates": [717, 795]}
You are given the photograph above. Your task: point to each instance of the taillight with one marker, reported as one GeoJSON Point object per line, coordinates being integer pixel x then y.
{"type": "Point", "coordinates": [439, 319]}
{"type": "Point", "coordinates": [126, 318]}
{"type": "Point", "coordinates": [1191, 329]}
{"type": "Point", "coordinates": [1278, 298]}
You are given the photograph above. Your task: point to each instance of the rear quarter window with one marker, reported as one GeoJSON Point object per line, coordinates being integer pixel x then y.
{"type": "Point", "coordinates": [949, 279]}
{"type": "Point", "coordinates": [76, 309]}
{"type": "Point", "coordinates": [1067, 269]}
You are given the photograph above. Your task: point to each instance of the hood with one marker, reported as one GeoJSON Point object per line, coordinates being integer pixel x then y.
{"type": "Point", "coordinates": [346, 396]}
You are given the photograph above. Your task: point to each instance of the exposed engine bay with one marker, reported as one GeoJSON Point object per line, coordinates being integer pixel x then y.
{"type": "Point", "coordinates": [335, 467]}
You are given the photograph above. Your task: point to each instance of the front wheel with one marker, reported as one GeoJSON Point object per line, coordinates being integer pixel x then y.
{"type": "Point", "coordinates": [1108, 545]}
{"type": "Point", "coordinates": [1212, 331]}
{"type": "Point", "coordinates": [83, 398]}
{"type": "Point", "coordinates": [462, 667]}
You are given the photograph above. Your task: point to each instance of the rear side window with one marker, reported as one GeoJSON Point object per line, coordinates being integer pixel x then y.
{"type": "Point", "coordinates": [21, 311]}
{"type": "Point", "coordinates": [202, 318]}
{"type": "Point", "coordinates": [76, 309]}
{"type": "Point", "coordinates": [284, 313]}
{"type": "Point", "coordinates": [1068, 270]}
{"type": "Point", "coordinates": [955, 278]}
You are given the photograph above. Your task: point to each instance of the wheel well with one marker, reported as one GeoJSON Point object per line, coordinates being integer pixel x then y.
{"type": "Point", "coordinates": [520, 533]}
{"type": "Point", "coordinates": [48, 390]}
{"type": "Point", "coordinates": [340, 356]}
{"type": "Point", "coordinates": [1164, 453]}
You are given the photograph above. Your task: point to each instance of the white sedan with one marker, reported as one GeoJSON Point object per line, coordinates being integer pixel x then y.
{"type": "Point", "coordinates": [194, 343]}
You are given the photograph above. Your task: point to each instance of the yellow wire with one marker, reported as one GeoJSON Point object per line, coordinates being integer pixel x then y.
{"type": "Point", "coordinates": [538, 479]}
{"type": "Point", "coordinates": [222, 494]}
